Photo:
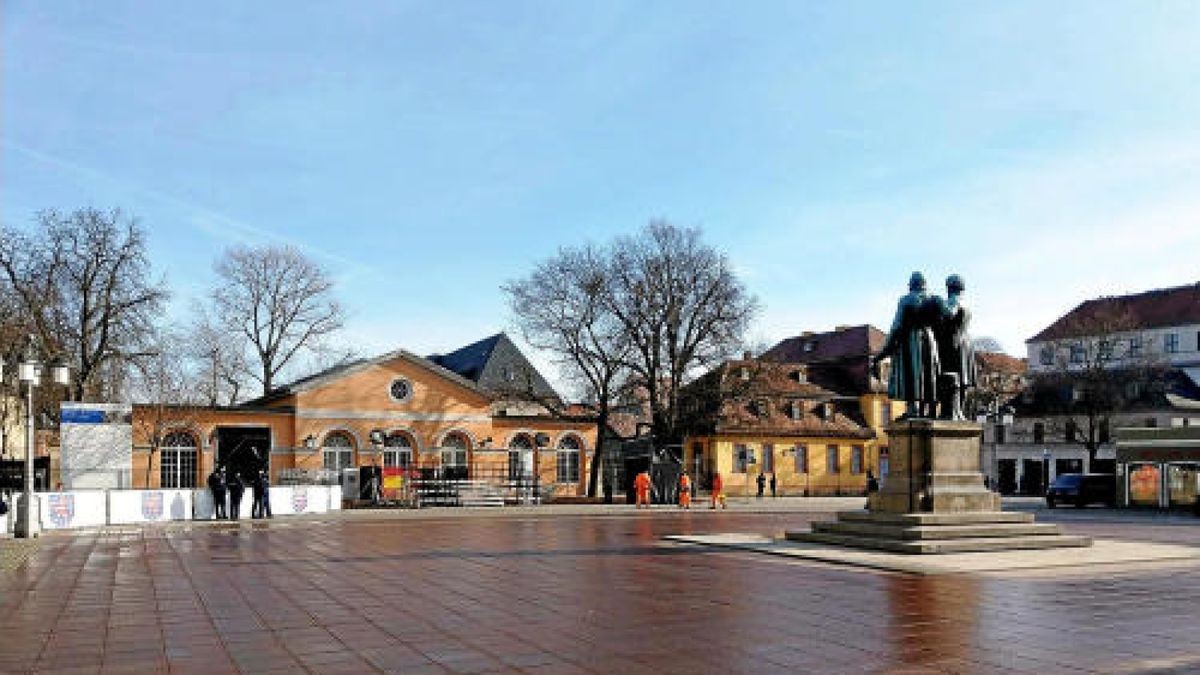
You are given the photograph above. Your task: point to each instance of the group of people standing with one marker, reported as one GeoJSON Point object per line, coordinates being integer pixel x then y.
{"type": "Point", "coordinates": [642, 486]}
{"type": "Point", "coordinates": [223, 482]}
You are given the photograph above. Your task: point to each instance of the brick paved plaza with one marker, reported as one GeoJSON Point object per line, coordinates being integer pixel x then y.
{"type": "Point", "coordinates": [567, 591]}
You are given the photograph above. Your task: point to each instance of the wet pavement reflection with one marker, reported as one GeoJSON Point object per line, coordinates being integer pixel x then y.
{"type": "Point", "coordinates": [594, 593]}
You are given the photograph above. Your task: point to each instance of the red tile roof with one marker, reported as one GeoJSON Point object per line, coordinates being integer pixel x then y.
{"type": "Point", "coordinates": [1152, 309]}
{"type": "Point", "coordinates": [996, 362]}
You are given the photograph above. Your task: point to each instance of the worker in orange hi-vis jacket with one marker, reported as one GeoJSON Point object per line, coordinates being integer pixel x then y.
{"type": "Point", "coordinates": [642, 485]}
{"type": "Point", "coordinates": [685, 491]}
{"type": "Point", "coordinates": [718, 494]}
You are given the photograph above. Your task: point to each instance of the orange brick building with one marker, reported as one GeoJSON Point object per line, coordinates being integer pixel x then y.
{"type": "Point", "coordinates": [481, 412]}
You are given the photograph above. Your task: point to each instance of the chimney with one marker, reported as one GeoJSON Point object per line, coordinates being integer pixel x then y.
{"type": "Point", "coordinates": [746, 355]}
{"type": "Point", "coordinates": [841, 328]}
{"type": "Point", "coordinates": [807, 333]}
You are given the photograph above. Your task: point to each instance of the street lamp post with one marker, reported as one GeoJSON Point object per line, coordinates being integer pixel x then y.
{"type": "Point", "coordinates": [29, 373]}
{"type": "Point", "coordinates": [1045, 470]}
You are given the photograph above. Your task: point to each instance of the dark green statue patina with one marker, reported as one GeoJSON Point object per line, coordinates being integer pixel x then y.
{"type": "Point", "coordinates": [933, 364]}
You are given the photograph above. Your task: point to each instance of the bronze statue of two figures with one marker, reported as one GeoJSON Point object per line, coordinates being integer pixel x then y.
{"type": "Point", "coordinates": [933, 363]}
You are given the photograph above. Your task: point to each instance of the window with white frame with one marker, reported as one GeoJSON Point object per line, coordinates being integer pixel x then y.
{"type": "Point", "coordinates": [338, 451]}
{"type": "Point", "coordinates": [397, 450]}
{"type": "Point", "coordinates": [177, 461]}
{"type": "Point", "coordinates": [1171, 343]}
{"type": "Point", "coordinates": [1135, 346]}
{"type": "Point", "coordinates": [831, 459]}
{"type": "Point", "coordinates": [768, 458]}
{"type": "Point", "coordinates": [568, 459]}
{"type": "Point", "coordinates": [1077, 353]}
{"type": "Point", "coordinates": [1047, 356]}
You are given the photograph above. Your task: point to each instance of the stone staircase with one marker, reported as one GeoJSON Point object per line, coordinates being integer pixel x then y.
{"type": "Point", "coordinates": [939, 532]}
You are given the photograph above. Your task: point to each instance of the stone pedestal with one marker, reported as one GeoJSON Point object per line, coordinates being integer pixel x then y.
{"type": "Point", "coordinates": [933, 468]}
{"type": "Point", "coordinates": [933, 500]}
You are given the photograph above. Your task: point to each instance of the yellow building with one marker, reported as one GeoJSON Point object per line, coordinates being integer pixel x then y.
{"type": "Point", "coordinates": [754, 417]}
{"type": "Point", "coordinates": [480, 412]}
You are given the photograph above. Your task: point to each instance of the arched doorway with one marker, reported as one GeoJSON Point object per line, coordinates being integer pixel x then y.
{"type": "Point", "coordinates": [520, 456]}
{"type": "Point", "coordinates": [454, 454]}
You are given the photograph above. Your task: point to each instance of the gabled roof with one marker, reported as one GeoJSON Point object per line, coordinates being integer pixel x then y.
{"type": "Point", "coordinates": [350, 368]}
{"type": "Point", "coordinates": [760, 397]}
{"type": "Point", "coordinates": [1152, 309]}
{"type": "Point", "coordinates": [836, 345]}
{"type": "Point", "coordinates": [839, 359]}
{"type": "Point", "coordinates": [497, 365]}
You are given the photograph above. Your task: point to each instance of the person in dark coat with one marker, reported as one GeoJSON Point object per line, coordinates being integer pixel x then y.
{"type": "Point", "coordinates": [264, 480]}
{"type": "Point", "coordinates": [773, 493]}
{"type": "Point", "coordinates": [762, 484]}
{"type": "Point", "coordinates": [216, 484]}
{"type": "Point", "coordinates": [236, 488]}
{"type": "Point", "coordinates": [256, 488]}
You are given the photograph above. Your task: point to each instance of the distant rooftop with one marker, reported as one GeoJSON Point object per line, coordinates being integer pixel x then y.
{"type": "Point", "coordinates": [1159, 308]}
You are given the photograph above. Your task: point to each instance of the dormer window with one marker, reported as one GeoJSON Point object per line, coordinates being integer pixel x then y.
{"type": "Point", "coordinates": [810, 345]}
{"type": "Point", "coordinates": [827, 411]}
{"type": "Point", "coordinates": [796, 410]}
{"type": "Point", "coordinates": [745, 373]}
{"type": "Point", "coordinates": [800, 375]}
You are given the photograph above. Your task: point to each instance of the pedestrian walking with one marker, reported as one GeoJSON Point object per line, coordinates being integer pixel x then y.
{"type": "Point", "coordinates": [256, 491]}
{"type": "Point", "coordinates": [216, 485]}
{"type": "Point", "coordinates": [872, 483]}
{"type": "Point", "coordinates": [685, 492]}
{"type": "Point", "coordinates": [236, 488]}
{"type": "Point", "coordinates": [718, 491]}
{"type": "Point", "coordinates": [762, 484]}
{"type": "Point", "coordinates": [642, 485]}
{"type": "Point", "coordinates": [773, 493]}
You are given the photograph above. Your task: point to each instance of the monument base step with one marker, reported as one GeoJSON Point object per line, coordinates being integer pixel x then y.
{"type": "Point", "coordinates": [921, 518]}
{"type": "Point", "coordinates": [927, 532]}
{"type": "Point", "coordinates": [928, 546]}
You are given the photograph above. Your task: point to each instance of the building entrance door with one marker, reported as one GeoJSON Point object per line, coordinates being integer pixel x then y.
{"type": "Point", "coordinates": [1008, 476]}
{"type": "Point", "coordinates": [1031, 477]}
{"type": "Point", "coordinates": [244, 449]}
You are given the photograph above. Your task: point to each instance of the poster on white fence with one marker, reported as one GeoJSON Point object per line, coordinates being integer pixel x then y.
{"type": "Point", "coordinates": [149, 506]}
{"type": "Point", "coordinates": [75, 508]}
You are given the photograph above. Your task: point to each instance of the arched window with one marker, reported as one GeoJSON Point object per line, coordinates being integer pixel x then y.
{"type": "Point", "coordinates": [454, 450]}
{"type": "Point", "coordinates": [338, 450]}
{"type": "Point", "coordinates": [177, 464]}
{"type": "Point", "coordinates": [568, 459]}
{"type": "Point", "coordinates": [520, 456]}
{"type": "Point", "coordinates": [397, 450]}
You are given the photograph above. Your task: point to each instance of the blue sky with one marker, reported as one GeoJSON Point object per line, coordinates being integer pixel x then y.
{"type": "Point", "coordinates": [427, 152]}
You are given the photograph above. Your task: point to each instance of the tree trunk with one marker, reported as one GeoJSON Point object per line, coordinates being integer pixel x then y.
{"type": "Point", "coordinates": [598, 452]}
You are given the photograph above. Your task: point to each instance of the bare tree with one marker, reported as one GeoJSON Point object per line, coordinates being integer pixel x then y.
{"type": "Point", "coordinates": [219, 359]}
{"type": "Point", "coordinates": [682, 309]}
{"type": "Point", "coordinates": [562, 307]}
{"type": "Point", "coordinates": [987, 344]}
{"type": "Point", "coordinates": [280, 301]}
{"type": "Point", "coordinates": [167, 394]}
{"type": "Point", "coordinates": [83, 283]}
{"type": "Point", "coordinates": [1101, 365]}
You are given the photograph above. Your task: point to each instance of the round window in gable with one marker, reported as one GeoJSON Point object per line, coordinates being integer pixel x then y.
{"type": "Point", "coordinates": [401, 390]}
